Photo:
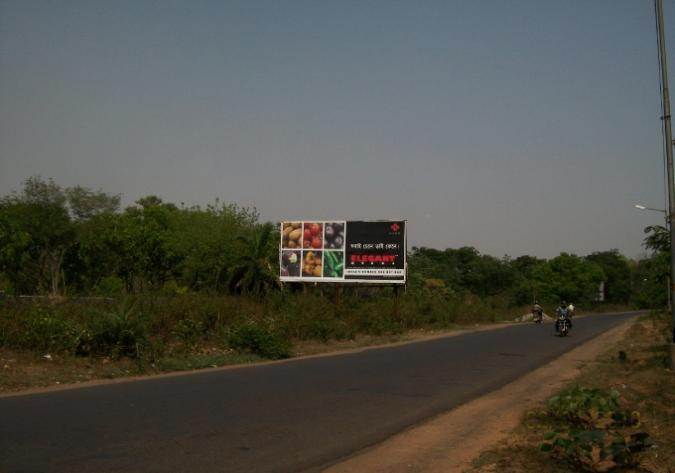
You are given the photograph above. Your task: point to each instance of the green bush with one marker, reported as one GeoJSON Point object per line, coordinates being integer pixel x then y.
{"type": "Point", "coordinates": [109, 286]}
{"type": "Point", "coordinates": [189, 332]}
{"type": "Point", "coordinates": [259, 340]}
{"type": "Point", "coordinates": [44, 330]}
{"type": "Point", "coordinates": [115, 333]}
{"type": "Point", "coordinates": [597, 450]}
{"type": "Point", "coordinates": [592, 431]}
{"type": "Point", "coordinates": [593, 408]}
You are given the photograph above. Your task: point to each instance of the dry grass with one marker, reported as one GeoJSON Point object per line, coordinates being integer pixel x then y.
{"type": "Point", "coordinates": [24, 370]}
{"type": "Point", "coordinates": [20, 370]}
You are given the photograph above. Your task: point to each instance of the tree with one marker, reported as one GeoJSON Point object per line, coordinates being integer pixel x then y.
{"type": "Point", "coordinates": [35, 233]}
{"type": "Point", "coordinates": [650, 289]}
{"type": "Point", "coordinates": [650, 281]}
{"type": "Point", "coordinates": [206, 240]}
{"type": "Point", "coordinates": [85, 203]}
{"type": "Point", "coordinates": [253, 271]}
{"type": "Point", "coordinates": [617, 273]}
{"type": "Point", "coordinates": [568, 277]}
{"type": "Point", "coordinates": [657, 239]}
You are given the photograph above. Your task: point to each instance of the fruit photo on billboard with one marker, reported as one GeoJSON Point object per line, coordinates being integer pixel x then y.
{"type": "Point", "coordinates": [312, 235]}
{"type": "Point", "coordinates": [333, 264]}
{"type": "Point", "coordinates": [334, 235]}
{"type": "Point", "coordinates": [311, 264]}
{"type": "Point", "coordinates": [290, 263]}
{"type": "Point", "coordinates": [291, 235]}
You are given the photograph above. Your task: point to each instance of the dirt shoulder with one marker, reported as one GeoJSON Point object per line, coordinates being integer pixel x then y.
{"type": "Point", "coordinates": [452, 440]}
{"type": "Point", "coordinates": [636, 370]}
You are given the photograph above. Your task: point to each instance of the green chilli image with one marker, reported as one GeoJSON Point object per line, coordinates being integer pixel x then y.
{"type": "Point", "coordinates": [333, 264]}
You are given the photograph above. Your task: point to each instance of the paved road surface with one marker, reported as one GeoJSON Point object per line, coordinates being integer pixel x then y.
{"type": "Point", "coordinates": [285, 417]}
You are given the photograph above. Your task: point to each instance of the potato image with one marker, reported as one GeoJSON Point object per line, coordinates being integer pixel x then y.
{"type": "Point", "coordinates": [291, 235]}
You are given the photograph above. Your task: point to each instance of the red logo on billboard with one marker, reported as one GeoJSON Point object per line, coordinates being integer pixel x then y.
{"type": "Point", "coordinates": [395, 227]}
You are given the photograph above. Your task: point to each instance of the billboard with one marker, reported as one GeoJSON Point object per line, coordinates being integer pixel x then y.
{"type": "Point", "coordinates": [343, 251]}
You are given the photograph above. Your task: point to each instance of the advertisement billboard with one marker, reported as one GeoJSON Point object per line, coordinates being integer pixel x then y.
{"type": "Point", "coordinates": [343, 251]}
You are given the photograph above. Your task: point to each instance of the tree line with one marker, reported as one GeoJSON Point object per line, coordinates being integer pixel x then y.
{"type": "Point", "coordinates": [66, 241]}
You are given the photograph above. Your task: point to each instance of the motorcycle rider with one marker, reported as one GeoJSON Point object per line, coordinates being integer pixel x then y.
{"type": "Point", "coordinates": [537, 311]}
{"type": "Point", "coordinates": [570, 310]}
{"type": "Point", "coordinates": [563, 311]}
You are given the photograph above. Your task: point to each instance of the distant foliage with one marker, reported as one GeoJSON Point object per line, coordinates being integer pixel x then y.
{"type": "Point", "coordinates": [517, 281]}
{"type": "Point", "coordinates": [65, 241]}
{"type": "Point", "coordinates": [57, 241]}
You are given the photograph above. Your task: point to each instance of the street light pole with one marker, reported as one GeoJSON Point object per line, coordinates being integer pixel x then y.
{"type": "Point", "coordinates": [668, 137]}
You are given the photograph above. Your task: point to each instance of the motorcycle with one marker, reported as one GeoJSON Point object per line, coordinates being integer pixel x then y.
{"type": "Point", "coordinates": [537, 316]}
{"type": "Point", "coordinates": [562, 325]}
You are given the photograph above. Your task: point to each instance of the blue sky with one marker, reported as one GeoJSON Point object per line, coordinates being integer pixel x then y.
{"type": "Point", "coordinates": [515, 127]}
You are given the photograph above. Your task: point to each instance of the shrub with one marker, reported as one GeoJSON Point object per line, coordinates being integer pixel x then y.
{"type": "Point", "coordinates": [259, 340]}
{"type": "Point", "coordinates": [588, 436]}
{"type": "Point", "coordinates": [592, 408]}
{"type": "Point", "coordinates": [379, 317]}
{"type": "Point", "coordinates": [45, 330]}
{"type": "Point", "coordinates": [109, 286]}
{"type": "Point", "coordinates": [115, 333]}
{"type": "Point", "coordinates": [188, 331]}
{"type": "Point", "coordinates": [597, 450]}
{"type": "Point", "coordinates": [310, 316]}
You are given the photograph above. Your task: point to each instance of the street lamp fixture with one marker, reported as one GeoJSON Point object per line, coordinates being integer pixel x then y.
{"type": "Point", "coordinates": [642, 207]}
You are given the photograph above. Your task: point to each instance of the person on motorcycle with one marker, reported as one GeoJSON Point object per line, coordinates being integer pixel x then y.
{"type": "Point", "coordinates": [570, 310]}
{"type": "Point", "coordinates": [561, 311]}
{"type": "Point", "coordinates": [537, 311]}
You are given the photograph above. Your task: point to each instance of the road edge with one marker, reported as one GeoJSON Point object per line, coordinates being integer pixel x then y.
{"type": "Point", "coordinates": [452, 440]}
{"type": "Point", "coordinates": [349, 351]}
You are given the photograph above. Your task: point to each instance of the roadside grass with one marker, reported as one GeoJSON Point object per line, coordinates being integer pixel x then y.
{"type": "Point", "coordinates": [636, 369]}
{"type": "Point", "coordinates": [22, 370]}
{"type": "Point", "coordinates": [45, 342]}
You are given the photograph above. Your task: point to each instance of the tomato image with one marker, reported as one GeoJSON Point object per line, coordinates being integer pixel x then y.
{"type": "Point", "coordinates": [312, 236]}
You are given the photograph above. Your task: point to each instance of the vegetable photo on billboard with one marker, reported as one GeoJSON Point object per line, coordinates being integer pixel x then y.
{"type": "Point", "coordinates": [334, 235]}
{"type": "Point", "coordinates": [291, 235]}
{"type": "Point", "coordinates": [311, 263]}
{"type": "Point", "coordinates": [312, 235]}
{"type": "Point", "coordinates": [333, 264]}
{"type": "Point", "coordinates": [290, 263]}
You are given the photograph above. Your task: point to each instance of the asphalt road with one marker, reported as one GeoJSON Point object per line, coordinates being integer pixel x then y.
{"type": "Point", "coordinates": [287, 417]}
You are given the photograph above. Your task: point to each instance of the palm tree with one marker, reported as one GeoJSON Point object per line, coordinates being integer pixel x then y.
{"type": "Point", "coordinates": [253, 271]}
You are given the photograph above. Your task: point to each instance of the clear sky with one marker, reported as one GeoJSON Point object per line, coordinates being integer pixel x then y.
{"type": "Point", "coordinates": [515, 126]}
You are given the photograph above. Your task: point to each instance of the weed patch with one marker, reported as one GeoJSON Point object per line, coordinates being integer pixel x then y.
{"type": "Point", "coordinates": [263, 341]}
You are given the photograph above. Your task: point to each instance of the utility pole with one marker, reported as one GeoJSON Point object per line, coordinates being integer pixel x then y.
{"type": "Point", "coordinates": [668, 137]}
